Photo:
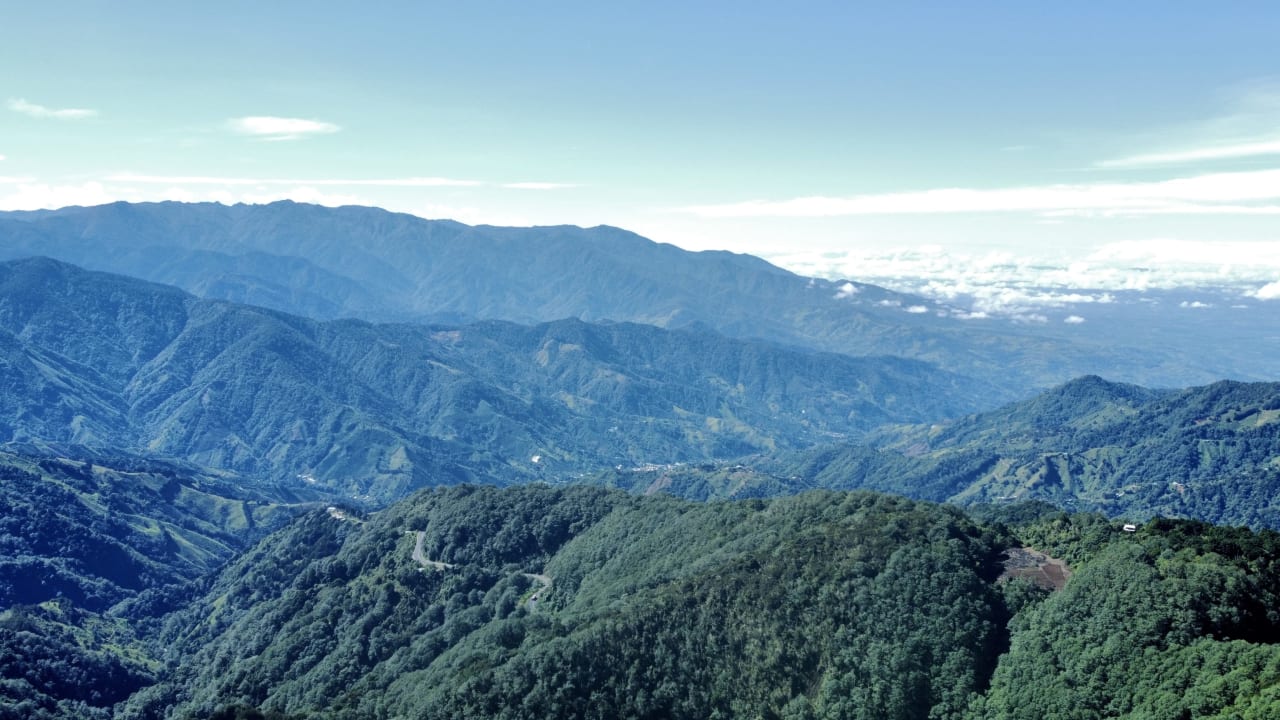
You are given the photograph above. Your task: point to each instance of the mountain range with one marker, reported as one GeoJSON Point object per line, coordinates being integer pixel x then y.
{"type": "Point", "coordinates": [365, 263]}
{"type": "Point", "coordinates": [377, 410]}
{"type": "Point", "coordinates": [372, 410]}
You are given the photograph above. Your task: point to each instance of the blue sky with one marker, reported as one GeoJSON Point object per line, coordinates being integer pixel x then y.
{"type": "Point", "coordinates": [963, 141]}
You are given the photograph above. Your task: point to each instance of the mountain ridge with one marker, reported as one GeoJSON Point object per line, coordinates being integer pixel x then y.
{"type": "Point", "coordinates": [1210, 453]}
{"type": "Point", "coordinates": [376, 410]}
{"type": "Point", "coordinates": [368, 263]}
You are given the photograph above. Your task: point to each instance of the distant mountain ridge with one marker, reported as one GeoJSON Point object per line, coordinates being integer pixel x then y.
{"type": "Point", "coordinates": [1209, 453]}
{"type": "Point", "coordinates": [367, 263]}
{"type": "Point", "coordinates": [377, 410]}
{"type": "Point", "coordinates": [372, 264]}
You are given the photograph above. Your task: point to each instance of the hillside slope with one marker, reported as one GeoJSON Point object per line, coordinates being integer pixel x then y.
{"type": "Point", "coordinates": [1209, 453]}
{"type": "Point", "coordinates": [95, 549]}
{"type": "Point", "coordinates": [658, 608]}
{"type": "Point", "coordinates": [824, 605]}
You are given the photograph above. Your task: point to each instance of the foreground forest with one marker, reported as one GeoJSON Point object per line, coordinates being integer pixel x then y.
{"type": "Point", "coordinates": [821, 605]}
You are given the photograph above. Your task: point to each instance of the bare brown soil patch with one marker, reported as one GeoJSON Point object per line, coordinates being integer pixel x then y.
{"type": "Point", "coordinates": [1039, 568]}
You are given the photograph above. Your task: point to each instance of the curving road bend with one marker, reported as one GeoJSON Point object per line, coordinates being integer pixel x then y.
{"type": "Point", "coordinates": [421, 558]}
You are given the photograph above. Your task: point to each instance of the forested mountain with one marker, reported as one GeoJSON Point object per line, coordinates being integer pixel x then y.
{"type": "Point", "coordinates": [95, 529]}
{"type": "Point", "coordinates": [366, 263]}
{"type": "Point", "coordinates": [657, 608]}
{"type": "Point", "coordinates": [1176, 620]}
{"type": "Point", "coordinates": [824, 605]}
{"type": "Point", "coordinates": [1210, 453]}
{"type": "Point", "coordinates": [377, 410]}
{"type": "Point", "coordinates": [581, 602]}
{"type": "Point", "coordinates": [95, 550]}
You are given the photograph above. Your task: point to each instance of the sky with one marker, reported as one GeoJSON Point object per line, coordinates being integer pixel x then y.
{"type": "Point", "coordinates": [948, 148]}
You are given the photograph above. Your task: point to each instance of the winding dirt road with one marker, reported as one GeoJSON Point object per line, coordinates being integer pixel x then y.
{"type": "Point", "coordinates": [421, 558]}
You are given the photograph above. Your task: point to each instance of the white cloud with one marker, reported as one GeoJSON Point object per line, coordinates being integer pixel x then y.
{"type": "Point", "coordinates": [39, 111]}
{"type": "Point", "coordinates": [1004, 283]}
{"type": "Point", "coordinates": [1170, 208]}
{"type": "Point", "coordinates": [1225, 193]}
{"type": "Point", "coordinates": [1073, 320]}
{"type": "Point", "coordinates": [1270, 291]}
{"type": "Point", "coordinates": [1124, 265]}
{"type": "Point", "coordinates": [1254, 148]}
{"type": "Point", "coordinates": [1194, 304]}
{"type": "Point", "coordinates": [917, 309]}
{"type": "Point", "coordinates": [846, 290]}
{"type": "Point", "coordinates": [539, 186]}
{"type": "Point", "coordinates": [1172, 255]}
{"type": "Point", "coordinates": [1245, 129]}
{"type": "Point", "coordinates": [2, 158]}
{"type": "Point", "coordinates": [279, 128]}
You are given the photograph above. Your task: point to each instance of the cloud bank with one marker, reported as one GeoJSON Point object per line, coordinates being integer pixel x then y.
{"type": "Point", "coordinates": [1248, 192]}
{"type": "Point", "coordinates": [1007, 284]}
